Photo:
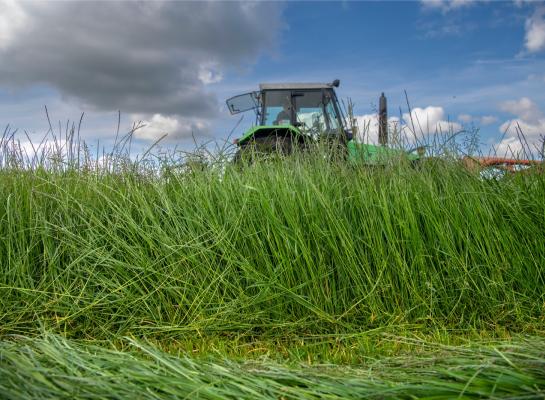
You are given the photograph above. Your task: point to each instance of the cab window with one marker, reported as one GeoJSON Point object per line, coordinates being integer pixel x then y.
{"type": "Point", "coordinates": [277, 107]}
{"type": "Point", "coordinates": [331, 115]}
{"type": "Point", "coordinates": [316, 112]}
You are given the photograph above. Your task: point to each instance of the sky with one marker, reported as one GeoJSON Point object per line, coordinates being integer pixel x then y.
{"type": "Point", "coordinates": [464, 65]}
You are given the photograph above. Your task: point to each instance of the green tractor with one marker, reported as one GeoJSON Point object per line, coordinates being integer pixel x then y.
{"type": "Point", "coordinates": [292, 116]}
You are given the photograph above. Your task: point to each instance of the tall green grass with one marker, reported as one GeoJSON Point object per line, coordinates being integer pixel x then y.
{"type": "Point", "coordinates": [303, 246]}
{"type": "Point", "coordinates": [154, 278]}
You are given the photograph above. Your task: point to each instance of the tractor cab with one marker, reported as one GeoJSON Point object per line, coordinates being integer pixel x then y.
{"type": "Point", "coordinates": [305, 110]}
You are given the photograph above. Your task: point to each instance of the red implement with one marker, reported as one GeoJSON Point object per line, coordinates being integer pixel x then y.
{"type": "Point", "coordinates": [508, 164]}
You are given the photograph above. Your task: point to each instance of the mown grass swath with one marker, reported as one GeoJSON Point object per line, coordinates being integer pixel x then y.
{"type": "Point", "coordinates": [53, 368]}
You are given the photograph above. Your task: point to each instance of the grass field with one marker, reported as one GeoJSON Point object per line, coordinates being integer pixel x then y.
{"type": "Point", "coordinates": [392, 281]}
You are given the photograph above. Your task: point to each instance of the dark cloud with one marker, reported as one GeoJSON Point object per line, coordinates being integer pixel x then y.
{"type": "Point", "coordinates": [140, 57]}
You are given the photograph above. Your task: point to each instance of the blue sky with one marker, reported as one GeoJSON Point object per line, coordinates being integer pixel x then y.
{"type": "Point", "coordinates": [470, 63]}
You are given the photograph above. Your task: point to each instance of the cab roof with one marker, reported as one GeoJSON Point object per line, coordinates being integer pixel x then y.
{"type": "Point", "coordinates": [295, 85]}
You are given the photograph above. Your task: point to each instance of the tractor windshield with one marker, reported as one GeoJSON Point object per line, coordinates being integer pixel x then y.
{"type": "Point", "coordinates": [312, 110]}
{"type": "Point", "coordinates": [315, 111]}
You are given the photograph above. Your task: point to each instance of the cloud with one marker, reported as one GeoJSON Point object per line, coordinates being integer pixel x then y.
{"type": "Point", "coordinates": [531, 130]}
{"type": "Point", "coordinates": [138, 57]}
{"type": "Point", "coordinates": [156, 126]}
{"type": "Point", "coordinates": [509, 147]}
{"type": "Point", "coordinates": [368, 127]}
{"type": "Point", "coordinates": [483, 120]}
{"type": "Point", "coordinates": [429, 120]}
{"type": "Point", "coordinates": [446, 5]}
{"type": "Point", "coordinates": [535, 31]}
{"type": "Point", "coordinates": [520, 3]}
{"type": "Point", "coordinates": [524, 108]}
{"type": "Point", "coordinates": [27, 151]}
{"type": "Point", "coordinates": [488, 119]}
{"type": "Point", "coordinates": [529, 124]}
{"type": "Point", "coordinates": [452, 25]}
{"type": "Point", "coordinates": [12, 19]}
{"type": "Point", "coordinates": [210, 73]}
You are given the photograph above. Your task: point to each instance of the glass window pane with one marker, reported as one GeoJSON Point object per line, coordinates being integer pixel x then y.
{"type": "Point", "coordinates": [309, 111]}
{"type": "Point", "coordinates": [277, 107]}
{"type": "Point", "coordinates": [331, 115]}
{"type": "Point", "coordinates": [243, 102]}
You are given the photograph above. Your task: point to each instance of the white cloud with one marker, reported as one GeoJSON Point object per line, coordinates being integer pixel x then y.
{"type": "Point", "coordinates": [429, 120]}
{"type": "Point", "coordinates": [524, 108]}
{"type": "Point", "coordinates": [483, 120]}
{"type": "Point", "coordinates": [12, 19]}
{"type": "Point", "coordinates": [509, 147]}
{"type": "Point", "coordinates": [156, 126]}
{"type": "Point", "coordinates": [368, 127]}
{"type": "Point", "coordinates": [210, 73]}
{"type": "Point", "coordinates": [461, 3]}
{"type": "Point", "coordinates": [531, 130]}
{"type": "Point", "coordinates": [446, 5]}
{"type": "Point", "coordinates": [529, 125]}
{"type": "Point", "coordinates": [488, 119]}
{"type": "Point", "coordinates": [35, 151]}
{"type": "Point", "coordinates": [535, 31]}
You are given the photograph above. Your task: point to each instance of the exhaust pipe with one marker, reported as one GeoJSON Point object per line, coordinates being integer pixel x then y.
{"type": "Point", "coordinates": [383, 121]}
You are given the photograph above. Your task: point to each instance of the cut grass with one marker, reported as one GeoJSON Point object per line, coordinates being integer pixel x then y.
{"type": "Point", "coordinates": [54, 368]}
